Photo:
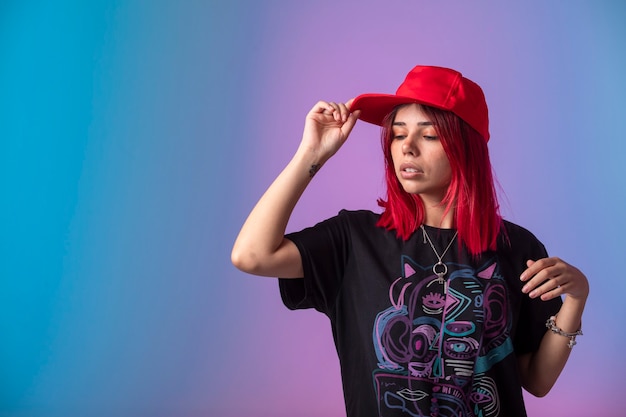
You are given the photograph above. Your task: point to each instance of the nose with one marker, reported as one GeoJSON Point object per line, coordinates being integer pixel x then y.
{"type": "Point", "coordinates": [409, 146]}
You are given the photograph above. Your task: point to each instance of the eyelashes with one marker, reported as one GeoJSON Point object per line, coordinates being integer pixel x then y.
{"type": "Point", "coordinates": [427, 137]}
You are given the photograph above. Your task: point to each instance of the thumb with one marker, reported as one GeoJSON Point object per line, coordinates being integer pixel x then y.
{"type": "Point", "coordinates": [350, 122]}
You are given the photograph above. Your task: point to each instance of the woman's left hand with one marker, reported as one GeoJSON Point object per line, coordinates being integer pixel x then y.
{"type": "Point", "coordinates": [549, 278]}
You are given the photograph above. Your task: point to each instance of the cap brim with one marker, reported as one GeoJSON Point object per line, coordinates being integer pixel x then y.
{"type": "Point", "coordinates": [375, 107]}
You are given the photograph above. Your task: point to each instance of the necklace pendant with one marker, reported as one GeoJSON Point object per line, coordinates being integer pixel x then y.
{"type": "Point", "coordinates": [440, 269]}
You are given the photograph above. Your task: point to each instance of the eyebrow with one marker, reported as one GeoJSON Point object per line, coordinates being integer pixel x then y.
{"type": "Point", "coordinates": [418, 123]}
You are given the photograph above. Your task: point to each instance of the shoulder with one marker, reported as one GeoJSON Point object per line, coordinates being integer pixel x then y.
{"type": "Point", "coordinates": [346, 222]}
{"type": "Point", "coordinates": [519, 239]}
{"type": "Point", "coordinates": [351, 221]}
{"type": "Point", "coordinates": [359, 216]}
{"type": "Point", "coordinates": [515, 231]}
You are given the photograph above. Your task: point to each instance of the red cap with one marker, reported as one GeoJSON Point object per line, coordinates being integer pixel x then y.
{"type": "Point", "coordinates": [439, 87]}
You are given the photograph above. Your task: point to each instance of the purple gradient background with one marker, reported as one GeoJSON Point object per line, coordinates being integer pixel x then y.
{"type": "Point", "coordinates": [135, 136]}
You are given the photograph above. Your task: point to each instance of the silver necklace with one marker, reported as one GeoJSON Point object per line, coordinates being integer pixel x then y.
{"type": "Point", "coordinates": [440, 269]}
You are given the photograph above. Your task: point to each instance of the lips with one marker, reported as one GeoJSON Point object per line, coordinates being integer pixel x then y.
{"type": "Point", "coordinates": [409, 167]}
{"type": "Point", "coordinates": [409, 170]}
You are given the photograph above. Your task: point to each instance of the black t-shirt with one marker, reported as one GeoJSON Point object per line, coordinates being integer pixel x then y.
{"type": "Point", "coordinates": [409, 345]}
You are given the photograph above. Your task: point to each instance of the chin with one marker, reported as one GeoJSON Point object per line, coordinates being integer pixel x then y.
{"type": "Point", "coordinates": [412, 190]}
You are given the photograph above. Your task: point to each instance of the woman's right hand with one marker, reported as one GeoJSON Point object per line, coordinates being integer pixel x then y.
{"type": "Point", "coordinates": [327, 127]}
{"type": "Point", "coordinates": [261, 247]}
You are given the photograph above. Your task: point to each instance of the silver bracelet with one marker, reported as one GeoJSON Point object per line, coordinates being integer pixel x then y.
{"type": "Point", "coordinates": [551, 324]}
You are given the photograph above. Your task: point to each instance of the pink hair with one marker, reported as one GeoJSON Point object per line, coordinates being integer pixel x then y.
{"type": "Point", "coordinates": [471, 192]}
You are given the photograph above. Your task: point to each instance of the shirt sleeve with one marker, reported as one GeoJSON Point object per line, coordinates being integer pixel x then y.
{"type": "Point", "coordinates": [532, 323]}
{"type": "Point", "coordinates": [533, 312]}
{"type": "Point", "coordinates": [324, 249]}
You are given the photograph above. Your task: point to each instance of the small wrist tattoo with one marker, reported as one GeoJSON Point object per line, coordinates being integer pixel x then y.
{"type": "Point", "coordinates": [313, 170]}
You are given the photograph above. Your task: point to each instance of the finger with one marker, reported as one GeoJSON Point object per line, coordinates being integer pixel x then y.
{"type": "Point", "coordinates": [529, 272]}
{"type": "Point", "coordinates": [539, 278]}
{"type": "Point", "coordinates": [344, 111]}
{"type": "Point", "coordinates": [336, 111]}
{"type": "Point", "coordinates": [548, 289]}
{"type": "Point", "coordinates": [350, 122]}
{"type": "Point", "coordinates": [550, 280]}
{"type": "Point", "coordinates": [322, 107]}
{"type": "Point", "coordinates": [534, 267]}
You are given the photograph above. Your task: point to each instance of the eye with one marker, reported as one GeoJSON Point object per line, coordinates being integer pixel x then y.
{"type": "Point", "coordinates": [481, 397]}
{"type": "Point", "coordinates": [427, 137]}
{"type": "Point", "coordinates": [399, 137]}
{"type": "Point", "coordinates": [434, 301]}
{"type": "Point", "coordinates": [460, 348]}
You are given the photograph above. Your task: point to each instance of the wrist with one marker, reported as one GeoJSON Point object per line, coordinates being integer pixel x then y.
{"type": "Point", "coordinates": [570, 314]}
{"type": "Point", "coordinates": [573, 304]}
{"type": "Point", "coordinates": [309, 162]}
{"type": "Point", "coordinates": [554, 328]}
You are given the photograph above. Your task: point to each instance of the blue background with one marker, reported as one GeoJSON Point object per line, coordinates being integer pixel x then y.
{"type": "Point", "coordinates": [135, 136]}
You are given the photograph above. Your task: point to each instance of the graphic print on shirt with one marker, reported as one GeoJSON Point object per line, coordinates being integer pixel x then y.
{"type": "Point", "coordinates": [435, 345]}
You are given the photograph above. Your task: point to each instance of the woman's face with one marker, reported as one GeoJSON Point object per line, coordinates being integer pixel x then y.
{"type": "Point", "coordinates": [419, 160]}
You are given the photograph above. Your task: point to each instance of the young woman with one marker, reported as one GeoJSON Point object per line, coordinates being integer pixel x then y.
{"type": "Point", "coordinates": [438, 306]}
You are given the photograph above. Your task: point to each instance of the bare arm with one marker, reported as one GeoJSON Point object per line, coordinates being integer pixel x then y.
{"type": "Point", "coordinates": [549, 278]}
{"type": "Point", "coordinates": [261, 248]}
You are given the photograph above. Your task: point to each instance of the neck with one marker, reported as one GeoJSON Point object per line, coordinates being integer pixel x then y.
{"type": "Point", "coordinates": [435, 216]}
